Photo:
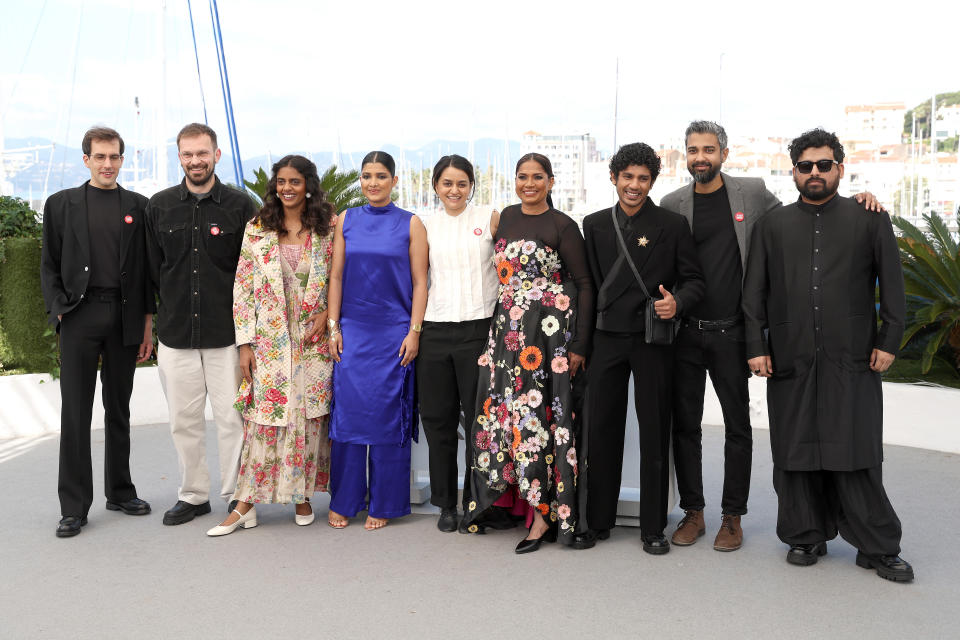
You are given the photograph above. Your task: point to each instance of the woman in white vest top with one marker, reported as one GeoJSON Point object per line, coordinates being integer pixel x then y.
{"type": "Point", "coordinates": [460, 302]}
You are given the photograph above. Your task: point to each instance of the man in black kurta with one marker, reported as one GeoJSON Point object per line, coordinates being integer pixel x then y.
{"type": "Point", "coordinates": [811, 322]}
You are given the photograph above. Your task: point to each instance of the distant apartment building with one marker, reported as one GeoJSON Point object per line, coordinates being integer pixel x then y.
{"type": "Point", "coordinates": [867, 125]}
{"type": "Point", "coordinates": [947, 124]}
{"type": "Point", "coordinates": [570, 156]}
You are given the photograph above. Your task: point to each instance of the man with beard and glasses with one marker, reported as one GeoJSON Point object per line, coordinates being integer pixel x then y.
{"type": "Point", "coordinates": [194, 232]}
{"type": "Point", "coordinates": [810, 300]}
{"type": "Point", "coordinates": [721, 210]}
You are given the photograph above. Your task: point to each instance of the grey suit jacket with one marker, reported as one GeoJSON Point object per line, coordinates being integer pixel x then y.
{"type": "Point", "coordinates": [748, 196]}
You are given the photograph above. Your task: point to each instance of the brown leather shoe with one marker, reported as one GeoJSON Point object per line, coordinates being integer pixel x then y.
{"type": "Point", "coordinates": [730, 536]}
{"type": "Point", "coordinates": [689, 529]}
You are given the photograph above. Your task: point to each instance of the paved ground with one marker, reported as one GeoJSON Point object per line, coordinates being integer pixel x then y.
{"type": "Point", "coordinates": [131, 577]}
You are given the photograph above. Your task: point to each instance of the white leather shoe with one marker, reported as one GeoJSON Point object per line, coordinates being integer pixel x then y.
{"type": "Point", "coordinates": [247, 520]}
{"type": "Point", "coordinates": [304, 520]}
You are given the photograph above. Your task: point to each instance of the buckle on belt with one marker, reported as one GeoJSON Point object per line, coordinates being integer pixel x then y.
{"type": "Point", "coordinates": [699, 324]}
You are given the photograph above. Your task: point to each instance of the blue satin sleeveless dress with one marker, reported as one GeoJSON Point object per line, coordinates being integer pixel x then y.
{"type": "Point", "coordinates": [373, 396]}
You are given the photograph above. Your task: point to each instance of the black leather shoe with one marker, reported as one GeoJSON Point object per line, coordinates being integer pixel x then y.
{"type": "Point", "coordinates": [805, 555]}
{"type": "Point", "coordinates": [589, 539]}
{"type": "Point", "coordinates": [890, 567]}
{"type": "Point", "coordinates": [70, 526]}
{"type": "Point", "coordinates": [134, 507]}
{"type": "Point", "coordinates": [185, 512]}
{"type": "Point", "coordinates": [656, 544]}
{"type": "Point", "coordinates": [529, 546]}
{"type": "Point", "coordinates": [448, 520]}
{"type": "Point", "coordinates": [232, 506]}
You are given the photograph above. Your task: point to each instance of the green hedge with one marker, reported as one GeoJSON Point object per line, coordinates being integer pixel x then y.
{"type": "Point", "coordinates": [25, 341]}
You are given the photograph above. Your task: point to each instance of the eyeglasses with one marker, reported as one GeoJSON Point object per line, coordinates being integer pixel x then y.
{"type": "Point", "coordinates": [101, 157]}
{"type": "Point", "coordinates": [823, 166]}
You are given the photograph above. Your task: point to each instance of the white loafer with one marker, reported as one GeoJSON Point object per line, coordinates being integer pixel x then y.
{"type": "Point", "coordinates": [247, 520]}
{"type": "Point", "coordinates": [304, 520]}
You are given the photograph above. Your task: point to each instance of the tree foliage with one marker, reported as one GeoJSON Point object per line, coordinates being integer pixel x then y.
{"type": "Point", "coordinates": [342, 187]}
{"type": "Point", "coordinates": [922, 112]}
{"type": "Point", "coordinates": [931, 273]}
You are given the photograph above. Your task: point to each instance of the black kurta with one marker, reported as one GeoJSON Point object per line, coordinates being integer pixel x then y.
{"type": "Point", "coordinates": [810, 282]}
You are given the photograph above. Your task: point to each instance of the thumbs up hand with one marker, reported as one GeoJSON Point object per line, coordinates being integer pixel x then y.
{"type": "Point", "coordinates": [666, 308]}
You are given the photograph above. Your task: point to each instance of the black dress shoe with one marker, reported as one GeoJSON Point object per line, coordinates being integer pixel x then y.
{"type": "Point", "coordinates": [890, 567]}
{"type": "Point", "coordinates": [448, 520]}
{"type": "Point", "coordinates": [656, 544]}
{"type": "Point", "coordinates": [134, 507]}
{"type": "Point", "coordinates": [70, 526]}
{"type": "Point", "coordinates": [805, 555]}
{"type": "Point", "coordinates": [232, 506]}
{"type": "Point", "coordinates": [185, 512]}
{"type": "Point", "coordinates": [589, 539]}
{"type": "Point", "coordinates": [529, 546]}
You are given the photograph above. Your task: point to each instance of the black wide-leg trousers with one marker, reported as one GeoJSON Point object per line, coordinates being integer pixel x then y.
{"type": "Point", "coordinates": [615, 357]}
{"type": "Point", "coordinates": [447, 377]}
{"type": "Point", "coordinates": [814, 505]}
{"type": "Point", "coordinates": [92, 334]}
{"type": "Point", "coordinates": [723, 354]}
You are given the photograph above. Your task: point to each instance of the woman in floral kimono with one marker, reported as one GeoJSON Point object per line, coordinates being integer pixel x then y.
{"type": "Point", "coordinates": [279, 310]}
{"type": "Point", "coordinates": [524, 436]}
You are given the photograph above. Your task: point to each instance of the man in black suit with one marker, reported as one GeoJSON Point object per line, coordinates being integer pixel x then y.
{"type": "Point", "coordinates": [94, 280]}
{"type": "Point", "coordinates": [661, 247]}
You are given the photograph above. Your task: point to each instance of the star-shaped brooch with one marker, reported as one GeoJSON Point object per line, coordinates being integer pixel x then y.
{"type": "Point", "coordinates": [642, 241]}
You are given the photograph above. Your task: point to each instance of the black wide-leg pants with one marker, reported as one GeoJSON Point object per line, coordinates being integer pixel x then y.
{"type": "Point", "coordinates": [723, 354]}
{"type": "Point", "coordinates": [615, 357]}
{"type": "Point", "coordinates": [89, 333]}
{"type": "Point", "coordinates": [814, 505]}
{"type": "Point", "coordinates": [447, 377]}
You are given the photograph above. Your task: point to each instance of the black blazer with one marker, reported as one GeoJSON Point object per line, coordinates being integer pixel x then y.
{"type": "Point", "coordinates": [65, 259]}
{"type": "Point", "coordinates": [669, 257]}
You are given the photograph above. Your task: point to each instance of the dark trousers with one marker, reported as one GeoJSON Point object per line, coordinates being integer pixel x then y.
{"type": "Point", "coordinates": [615, 357]}
{"type": "Point", "coordinates": [723, 354]}
{"type": "Point", "coordinates": [814, 505]}
{"type": "Point", "coordinates": [89, 333]}
{"type": "Point", "coordinates": [447, 376]}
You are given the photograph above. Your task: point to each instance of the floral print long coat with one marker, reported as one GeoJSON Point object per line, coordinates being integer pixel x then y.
{"type": "Point", "coordinates": [260, 319]}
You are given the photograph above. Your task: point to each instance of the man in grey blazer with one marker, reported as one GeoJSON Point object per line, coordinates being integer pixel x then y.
{"type": "Point", "coordinates": [722, 211]}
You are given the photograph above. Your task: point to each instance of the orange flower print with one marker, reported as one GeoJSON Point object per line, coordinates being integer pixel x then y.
{"type": "Point", "coordinates": [530, 358]}
{"type": "Point", "coordinates": [505, 271]}
{"type": "Point", "coordinates": [544, 508]}
{"type": "Point", "coordinates": [486, 407]}
{"type": "Point", "coordinates": [516, 437]}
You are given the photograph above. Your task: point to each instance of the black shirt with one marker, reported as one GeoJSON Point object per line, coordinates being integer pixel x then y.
{"type": "Point", "coordinates": [719, 255]}
{"type": "Point", "coordinates": [193, 246]}
{"type": "Point", "coordinates": [558, 231]}
{"type": "Point", "coordinates": [104, 223]}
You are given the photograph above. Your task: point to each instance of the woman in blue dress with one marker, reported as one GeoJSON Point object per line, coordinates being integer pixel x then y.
{"type": "Point", "coordinates": [377, 300]}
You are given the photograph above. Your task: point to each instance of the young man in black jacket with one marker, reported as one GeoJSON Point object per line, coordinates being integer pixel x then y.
{"type": "Point", "coordinates": [94, 280]}
{"type": "Point", "coordinates": [661, 248]}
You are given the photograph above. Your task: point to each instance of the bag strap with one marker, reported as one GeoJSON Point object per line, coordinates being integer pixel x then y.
{"type": "Point", "coordinates": [626, 254]}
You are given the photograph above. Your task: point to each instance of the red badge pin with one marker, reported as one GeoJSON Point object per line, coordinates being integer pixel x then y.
{"type": "Point", "coordinates": [128, 219]}
{"type": "Point", "coordinates": [738, 216]}
{"type": "Point", "coordinates": [214, 231]}
{"type": "Point", "coordinates": [478, 231]}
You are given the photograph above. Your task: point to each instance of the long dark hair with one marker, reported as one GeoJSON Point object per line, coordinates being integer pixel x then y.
{"type": "Point", "coordinates": [457, 162]}
{"type": "Point", "coordinates": [317, 213]}
{"type": "Point", "coordinates": [544, 163]}
{"type": "Point", "coordinates": [383, 158]}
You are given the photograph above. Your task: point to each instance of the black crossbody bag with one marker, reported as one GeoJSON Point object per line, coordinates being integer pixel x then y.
{"type": "Point", "coordinates": [655, 329]}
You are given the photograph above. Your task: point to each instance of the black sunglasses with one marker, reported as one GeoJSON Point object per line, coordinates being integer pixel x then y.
{"type": "Point", "coordinates": [823, 166]}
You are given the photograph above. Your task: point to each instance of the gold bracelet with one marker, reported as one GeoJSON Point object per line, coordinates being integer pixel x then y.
{"type": "Point", "coordinates": [416, 327]}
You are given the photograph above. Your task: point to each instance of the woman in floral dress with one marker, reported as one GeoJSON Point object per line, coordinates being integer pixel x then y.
{"type": "Point", "coordinates": [280, 302]}
{"type": "Point", "coordinates": [523, 436]}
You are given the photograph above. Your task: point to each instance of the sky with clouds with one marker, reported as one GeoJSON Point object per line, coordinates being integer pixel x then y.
{"type": "Point", "coordinates": [307, 74]}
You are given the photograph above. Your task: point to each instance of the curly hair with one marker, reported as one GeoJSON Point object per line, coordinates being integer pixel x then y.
{"type": "Point", "coordinates": [813, 139]}
{"type": "Point", "coordinates": [635, 153]}
{"type": "Point", "coordinates": [317, 213]}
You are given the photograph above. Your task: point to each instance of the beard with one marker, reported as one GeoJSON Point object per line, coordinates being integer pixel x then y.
{"type": "Point", "coordinates": [199, 181]}
{"type": "Point", "coordinates": [817, 190]}
{"type": "Point", "coordinates": [704, 176]}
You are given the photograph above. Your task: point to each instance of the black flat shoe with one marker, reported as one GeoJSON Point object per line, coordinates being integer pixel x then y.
{"type": "Point", "coordinates": [448, 520]}
{"type": "Point", "coordinates": [185, 512]}
{"type": "Point", "coordinates": [529, 546]}
{"type": "Point", "coordinates": [70, 526]}
{"type": "Point", "coordinates": [804, 555]}
{"type": "Point", "coordinates": [656, 544]}
{"type": "Point", "coordinates": [589, 539]}
{"type": "Point", "coordinates": [889, 567]}
{"type": "Point", "coordinates": [134, 507]}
